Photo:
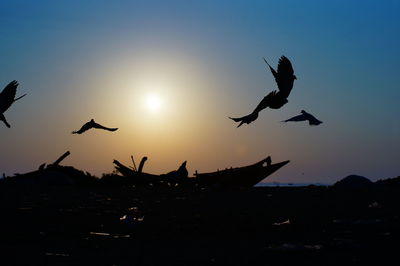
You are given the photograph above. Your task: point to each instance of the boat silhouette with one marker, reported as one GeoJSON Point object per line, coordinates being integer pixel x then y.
{"type": "Point", "coordinates": [246, 176]}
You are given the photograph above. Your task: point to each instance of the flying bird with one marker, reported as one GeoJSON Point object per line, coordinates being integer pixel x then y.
{"type": "Point", "coordinates": [312, 121]}
{"type": "Point", "coordinates": [284, 78]}
{"type": "Point", "coordinates": [7, 98]}
{"type": "Point", "coordinates": [92, 124]}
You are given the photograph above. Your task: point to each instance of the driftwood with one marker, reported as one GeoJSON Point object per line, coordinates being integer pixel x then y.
{"type": "Point", "coordinates": [134, 165]}
{"type": "Point", "coordinates": [42, 166]}
{"type": "Point", "coordinates": [142, 164]}
{"type": "Point", "coordinates": [57, 162]}
{"type": "Point", "coordinates": [125, 171]}
{"type": "Point", "coordinates": [62, 157]}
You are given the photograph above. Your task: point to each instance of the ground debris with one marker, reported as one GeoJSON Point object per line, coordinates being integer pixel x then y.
{"type": "Point", "coordinates": [287, 222]}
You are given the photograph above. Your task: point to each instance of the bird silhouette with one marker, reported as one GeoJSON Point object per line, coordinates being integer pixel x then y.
{"type": "Point", "coordinates": [312, 121]}
{"type": "Point", "coordinates": [7, 98]}
{"type": "Point", "coordinates": [284, 78]}
{"type": "Point", "coordinates": [92, 124]}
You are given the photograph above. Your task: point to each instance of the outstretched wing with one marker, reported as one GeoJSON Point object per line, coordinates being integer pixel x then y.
{"type": "Point", "coordinates": [96, 125]}
{"type": "Point", "coordinates": [265, 102]}
{"type": "Point", "coordinates": [297, 118]}
{"type": "Point", "coordinates": [312, 120]}
{"type": "Point", "coordinates": [285, 76]}
{"type": "Point", "coordinates": [272, 70]}
{"type": "Point", "coordinates": [284, 66]}
{"type": "Point", "coordinates": [84, 128]}
{"type": "Point", "coordinates": [7, 96]}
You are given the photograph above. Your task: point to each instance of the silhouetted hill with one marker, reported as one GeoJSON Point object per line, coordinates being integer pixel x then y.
{"type": "Point", "coordinates": [353, 181]}
{"type": "Point", "coordinates": [51, 175]}
{"type": "Point", "coordinates": [392, 182]}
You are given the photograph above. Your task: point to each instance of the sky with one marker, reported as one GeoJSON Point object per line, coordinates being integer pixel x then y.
{"type": "Point", "coordinates": [202, 62]}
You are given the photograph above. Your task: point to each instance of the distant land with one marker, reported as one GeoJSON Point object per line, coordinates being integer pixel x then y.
{"type": "Point", "coordinates": [279, 184]}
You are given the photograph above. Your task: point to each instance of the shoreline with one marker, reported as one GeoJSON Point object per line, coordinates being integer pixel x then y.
{"type": "Point", "coordinates": [122, 225]}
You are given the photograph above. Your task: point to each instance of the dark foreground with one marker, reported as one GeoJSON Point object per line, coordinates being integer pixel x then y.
{"type": "Point", "coordinates": [116, 225]}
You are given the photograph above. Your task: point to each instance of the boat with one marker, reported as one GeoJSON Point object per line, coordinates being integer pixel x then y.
{"type": "Point", "coordinates": [137, 177]}
{"type": "Point", "coordinates": [246, 176]}
{"type": "Point", "coordinates": [55, 174]}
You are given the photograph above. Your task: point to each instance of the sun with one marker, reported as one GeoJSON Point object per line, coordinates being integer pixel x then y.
{"type": "Point", "coordinates": [153, 102]}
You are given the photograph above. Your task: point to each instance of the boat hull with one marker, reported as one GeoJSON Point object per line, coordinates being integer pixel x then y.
{"type": "Point", "coordinates": [247, 176]}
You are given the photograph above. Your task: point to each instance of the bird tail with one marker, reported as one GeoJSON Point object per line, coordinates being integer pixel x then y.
{"type": "Point", "coordinates": [75, 132]}
{"type": "Point", "coordinates": [241, 123]}
{"type": "Point", "coordinates": [238, 119]}
{"type": "Point", "coordinates": [245, 119]}
{"type": "Point", "coordinates": [20, 97]}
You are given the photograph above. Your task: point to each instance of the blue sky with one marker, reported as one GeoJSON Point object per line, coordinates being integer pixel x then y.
{"type": "Point", "coordinates": [79, 60]}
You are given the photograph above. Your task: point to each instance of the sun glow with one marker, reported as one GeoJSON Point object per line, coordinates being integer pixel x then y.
{"type": "Point", "coordinates": [153, 102]}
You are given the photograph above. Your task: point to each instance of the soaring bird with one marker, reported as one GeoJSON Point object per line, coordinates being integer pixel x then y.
{"type": "Point", "coordinates": [312, 121]}
{"type": "Point", "coordinates": [92, 124]}
{"type": "Point", "coordinates": [7, 98]}
{"type": "Point", "coordinates": [284, 78]}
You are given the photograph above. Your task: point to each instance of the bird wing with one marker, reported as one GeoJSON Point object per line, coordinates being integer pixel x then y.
{"type": "Point", "coordinates": [272, 70]}
{"type": "Point", "coordinates": [312, 120]}
{"type": "Point", "coordinates": [84, 128]}
{"type": "Point", "coordinates": [7, 96]}
{"type": "Point", "coordinates": [265, 102]}
{"type": "Point", "coordinates": [284, 79]}
{"type": "Point", "coordinates": [96, 125]}
{"type": "Point", "coordinates": [297, 118]}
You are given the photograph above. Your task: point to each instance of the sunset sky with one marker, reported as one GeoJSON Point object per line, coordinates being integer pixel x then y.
{"type": "Point", "coordinates": [200, 62]}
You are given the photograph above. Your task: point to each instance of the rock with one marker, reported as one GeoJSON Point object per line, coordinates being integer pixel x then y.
{"type": "Point", "coordinates": [353, 181]}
